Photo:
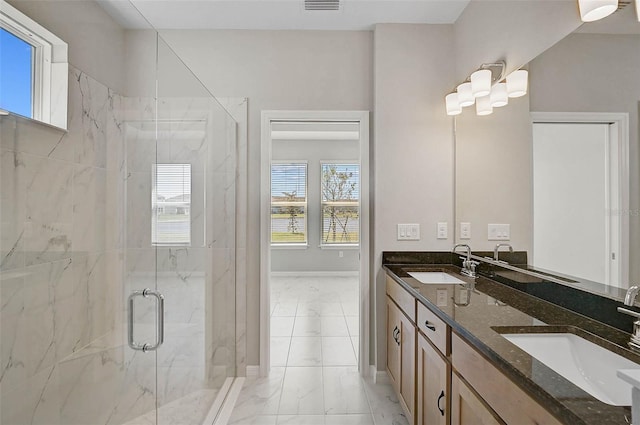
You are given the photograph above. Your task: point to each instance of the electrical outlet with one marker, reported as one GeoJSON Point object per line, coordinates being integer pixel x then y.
{"type": "Point", "coordinates": [408, 232]}
{"type": "Point", "coordinates": [441, 297]}
{"type": "Point", "coordinates": [340, 254]}
{"type": "Point", "coordinates": [465, 230]}
{"type": "Point", "coordinates": [443, 231]}
{"type": "Point", "coordinates": [498, 232]}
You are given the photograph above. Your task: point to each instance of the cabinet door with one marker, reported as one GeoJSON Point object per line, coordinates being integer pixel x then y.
{"type": "Point", "coordinates": [393, 343]}
{"type": "Point", "coordinates": [432, 386]}
{"type": "Point", "coordinates": [408, 364]}
{"type": "Point", "coordinates": [467, 408]}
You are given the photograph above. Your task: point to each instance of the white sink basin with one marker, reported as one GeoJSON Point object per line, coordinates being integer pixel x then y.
{"type": "Point", "coordinates": [585, 364]}
{"type": "Point", "coordinates": [435, 278]}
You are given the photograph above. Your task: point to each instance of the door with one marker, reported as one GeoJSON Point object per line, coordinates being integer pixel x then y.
{"type": "Point", "coordinates": [407, 364]}
{"type": "Point", "coordinates": [432, 385]}
{"type": "Point", "coordinates": [575, 197]}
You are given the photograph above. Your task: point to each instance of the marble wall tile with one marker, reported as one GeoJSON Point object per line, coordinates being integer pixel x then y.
{"type": "Point", "coordinates": [12, 209]}
{"type": "Point", "coordinates": [35, 401]}
{"type": "Point", "coordinates": [138, 210]}
{"type": "Point", "coordinates": [89, 127]}
{"type": "Point", "coordinates": [24, 135]}
{"type": "Point", "coordinates": [89, 209]}
{"type": "Point", "coordinates": [14, 348]}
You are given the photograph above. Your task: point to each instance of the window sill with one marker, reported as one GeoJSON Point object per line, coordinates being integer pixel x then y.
{"type": "Point", "coordinates": [290, 246]}
{"type": "Point", "coordinates": [340, 246]}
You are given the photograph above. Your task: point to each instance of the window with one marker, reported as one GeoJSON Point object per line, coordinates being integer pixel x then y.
{"type": "Point", "coordinates": [289, 203]}
{"type": "Point", "coordinates": [171, 204]}
{"type": "Point", "coordinates": [16, 80]}
{"type": "Point", "coordinates": [340, 203]}
{"type": "Point", "coordinates": [33, 67]}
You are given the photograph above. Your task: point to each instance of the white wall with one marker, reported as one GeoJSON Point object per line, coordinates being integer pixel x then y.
{"type": "Point", "coordinates": [314, 258]}
{"type": "Point", "coordinates": [413, 145]}
{"type": "Point", "coordinates": [96, 41]}
{"type": "Point", "coordinates": [596, 73]}
{"type": "Point", "coordinates": [293, 70]}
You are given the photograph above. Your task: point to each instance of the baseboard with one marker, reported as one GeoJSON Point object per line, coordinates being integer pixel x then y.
{"type": "Point", "coordinates": [380, 377]}
{"type": "Point", "coordinates": [253, 371]}
{"type": "Point", "coordinates": [318, 273]}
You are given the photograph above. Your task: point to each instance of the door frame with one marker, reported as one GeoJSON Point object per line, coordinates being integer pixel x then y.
{"type": "Point", "coordinates": [269, 116]}
{"type": "Point", "coordinates": [619, 131]}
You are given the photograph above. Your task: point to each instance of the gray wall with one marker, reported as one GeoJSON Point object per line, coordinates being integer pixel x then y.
{"type": "Point", "coordinates": [294, 70]}
{"type": "Point", "coordinates": [596, 73]}
{"type": "Point", "coordinates": [314, 258]}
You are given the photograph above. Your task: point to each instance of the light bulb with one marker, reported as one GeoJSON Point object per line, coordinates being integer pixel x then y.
{"type": "Point", "coordinates": [465, 95]}
{"type": "Point", "coordinates": [483, 106]}
{"type": "Point", "coordinates": [498, 95]}
{"type": "Point", "coordinates": [481, 83]}
{"type": "Point", "coordinates": [517, 83]}
{"type": "Point", "coordinates": [453, 105]}
{"type": "Point", "coordinates": [592, 10]}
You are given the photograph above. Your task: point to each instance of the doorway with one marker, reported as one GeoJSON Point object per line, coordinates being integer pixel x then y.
{"type": "Point", "coordinates": [314, 243]}
{"type": "Point", "coordinates": [580, 193]}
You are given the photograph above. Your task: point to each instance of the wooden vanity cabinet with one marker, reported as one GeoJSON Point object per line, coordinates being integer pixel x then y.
{"type": "Point", "coordinates": [467, 408]}
{"type": "Point", "coordinates": [401, 346]}
{"type": "Point", "coordinates": [433, 392]}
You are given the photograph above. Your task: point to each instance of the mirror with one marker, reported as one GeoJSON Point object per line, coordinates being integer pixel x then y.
{"type": "Point", "coordinates": [560, 165]}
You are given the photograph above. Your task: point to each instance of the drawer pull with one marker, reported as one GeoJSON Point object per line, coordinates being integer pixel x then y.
{"type": "Point", "coordinates": [429, 325]}
{"type": "Point", "coordinates": [440, 398]}
{"type": "Point", "coordinates": [396, 335]}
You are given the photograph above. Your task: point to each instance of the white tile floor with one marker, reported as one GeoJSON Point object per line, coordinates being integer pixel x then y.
{"type": "Point", "coordinates": [314, 375]}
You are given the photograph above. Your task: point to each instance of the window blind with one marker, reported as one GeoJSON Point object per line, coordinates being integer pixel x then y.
{"type": "Point", "coordinates": [171, 204]}
{"type": "Point", "coordinates": [289, 203]}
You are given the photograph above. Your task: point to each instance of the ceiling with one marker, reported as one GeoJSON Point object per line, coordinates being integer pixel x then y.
{"type": "Point", "coordinates": [279, 14]}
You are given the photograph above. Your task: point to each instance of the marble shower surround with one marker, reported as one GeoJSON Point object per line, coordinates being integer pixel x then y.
{"type": "Point", "coordinates": [62, 282]}
{"type": "Point", "coordinates": [59, 292]}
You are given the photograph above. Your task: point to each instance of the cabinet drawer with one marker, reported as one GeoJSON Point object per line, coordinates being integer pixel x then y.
{"type": "Point", "coordinates": [435, 329]}
{"type": "Point", "coordinates": [507, 399]}
{"type": "Point", "coordinates": [400, 296]}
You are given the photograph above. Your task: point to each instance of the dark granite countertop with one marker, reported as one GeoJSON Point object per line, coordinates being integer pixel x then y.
{"type": "Point", "coordinates": [490, 307]}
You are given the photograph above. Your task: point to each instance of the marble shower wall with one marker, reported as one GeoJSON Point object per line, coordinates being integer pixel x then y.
{"type": "Point", "coordinates": [61, 250]}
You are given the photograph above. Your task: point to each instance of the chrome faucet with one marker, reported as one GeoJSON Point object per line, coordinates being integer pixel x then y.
{"type": "Point", "coordinates": [629, 299]}
{"type": "Point", "coordinates": [497, 248]}
{"type": "Point", "coordinates": [468, 265]}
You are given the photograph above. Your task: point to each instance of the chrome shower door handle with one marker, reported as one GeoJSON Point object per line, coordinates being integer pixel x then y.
{"type": "Point", "coordinates": [160, 320]}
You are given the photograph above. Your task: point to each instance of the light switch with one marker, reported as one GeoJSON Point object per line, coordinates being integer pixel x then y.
{"type": "Point", "coordinates": [408, 232]}
{"type": "Point", "coordinates": [443, 231]}
{"type": "Point", "coordinates": [465, 230]}
{"type": "Point", "coordinates": [498, 232]}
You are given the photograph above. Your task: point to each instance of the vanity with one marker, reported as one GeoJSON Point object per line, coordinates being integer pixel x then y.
{"type": "Point", "coordinates": [464, 350]}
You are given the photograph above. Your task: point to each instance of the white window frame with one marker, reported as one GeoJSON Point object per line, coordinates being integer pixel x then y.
{"type": "Point", "coordinates": [324, 245]}
{"type": "Point", "coordinates": [50, 66]}
{"type": "Point", "coordinates": [305, 204]}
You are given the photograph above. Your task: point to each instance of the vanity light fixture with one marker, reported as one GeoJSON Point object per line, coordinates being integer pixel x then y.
{"type": "Point", "coordinates": [592, 10]}
{"type": "Point", "coordinates": [488, 89]}
{"type": "Point", "coordinates": [517, 83]}
{"type": "Point", "coordinates": [465, 95]}
{"type": "Point", "coordinates": [453, 104]}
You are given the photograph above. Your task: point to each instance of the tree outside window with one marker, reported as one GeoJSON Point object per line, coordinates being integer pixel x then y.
{"type": "Point", "coordinates": [340, 203]}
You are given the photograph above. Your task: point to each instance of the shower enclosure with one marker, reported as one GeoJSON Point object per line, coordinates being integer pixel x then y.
{"type": "Point", "coordinates": [117, 239]}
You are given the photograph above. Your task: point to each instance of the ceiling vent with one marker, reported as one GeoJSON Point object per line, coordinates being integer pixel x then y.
{"type": "Point", "coordinates": [321, 4]}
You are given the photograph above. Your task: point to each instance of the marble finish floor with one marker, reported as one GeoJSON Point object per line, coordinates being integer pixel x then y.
{"type": "Point", "coordinates": [314, 376]}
